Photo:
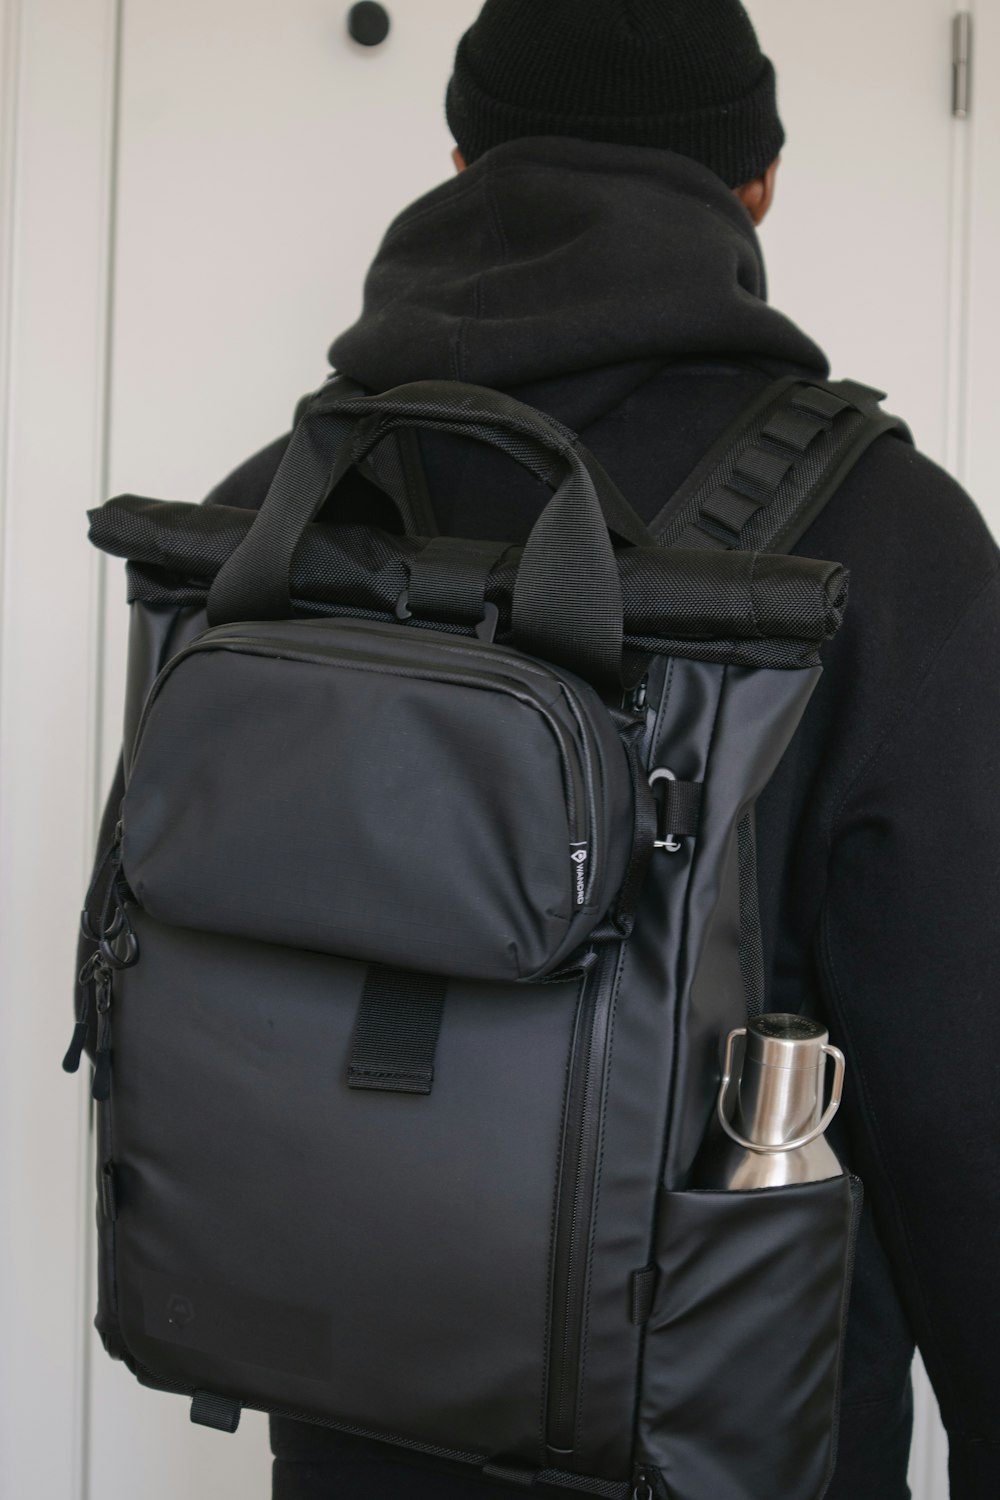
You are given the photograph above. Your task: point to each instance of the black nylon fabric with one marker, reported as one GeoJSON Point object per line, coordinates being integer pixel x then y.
{"type": "Point", "coordinates": [747, 608]}
{"type": "Point", "coordinates": [448, 578]}
{"type": "Point", "coordinates": [210, 1410]}
{"type": "Point", "coordinates": [567, 600]}
{"type": "Point", "coordinates": [396, 1034]}
{"type": "Point", "coordinates": [762, 482]}
{"type": "Point", "coordinates": [253, 581]}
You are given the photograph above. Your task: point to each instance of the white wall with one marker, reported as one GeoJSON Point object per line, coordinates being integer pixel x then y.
{"type": "Point", "coordinates": [55, 66]}
{"type": "Point", "coordinates": [189, 193]}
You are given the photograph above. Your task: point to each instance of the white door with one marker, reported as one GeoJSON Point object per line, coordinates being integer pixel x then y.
{"type": "Point", "coordinates": [251, 156]}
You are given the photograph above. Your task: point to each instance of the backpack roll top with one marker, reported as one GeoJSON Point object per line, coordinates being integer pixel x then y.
{"type": "Point", "coordinates": [394, 796]}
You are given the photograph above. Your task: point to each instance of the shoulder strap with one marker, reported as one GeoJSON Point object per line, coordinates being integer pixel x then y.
{"type": "Point", "coordinates": [768, 477]}
{"type": "Point", "coordinates": [759, 489]}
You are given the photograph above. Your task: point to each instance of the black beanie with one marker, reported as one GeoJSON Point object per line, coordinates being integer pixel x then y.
{"type": "Point", "coordinates": [684, 75]}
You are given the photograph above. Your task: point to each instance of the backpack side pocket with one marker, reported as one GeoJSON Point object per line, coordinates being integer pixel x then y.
{"type": "Point", "coordinates": [741, 1372]}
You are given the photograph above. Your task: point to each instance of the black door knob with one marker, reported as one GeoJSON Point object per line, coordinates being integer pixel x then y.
{"type": "Point", "coordinates": [368, 23]}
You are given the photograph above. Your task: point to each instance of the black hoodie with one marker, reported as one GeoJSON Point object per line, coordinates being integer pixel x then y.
{"type": "Point", "coordinates": [622, 290]}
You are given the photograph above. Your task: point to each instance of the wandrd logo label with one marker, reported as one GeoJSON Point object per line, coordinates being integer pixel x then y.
{"type": "Point", "coordinates": [579, 855]}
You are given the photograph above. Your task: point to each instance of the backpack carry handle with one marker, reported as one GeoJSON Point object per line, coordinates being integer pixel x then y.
{"type": "Point", "coordinates": [567, 604]}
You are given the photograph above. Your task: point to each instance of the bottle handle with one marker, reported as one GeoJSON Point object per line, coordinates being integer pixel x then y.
{"type": "Point", "coordinates": [836, 1094]}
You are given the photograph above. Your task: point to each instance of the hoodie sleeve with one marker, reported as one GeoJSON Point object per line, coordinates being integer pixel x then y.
{"type": "Point", "coordinates": [909, 957]}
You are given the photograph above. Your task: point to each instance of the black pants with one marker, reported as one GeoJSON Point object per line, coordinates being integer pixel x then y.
{"type": "Point", "coordinates": [313, 1463]}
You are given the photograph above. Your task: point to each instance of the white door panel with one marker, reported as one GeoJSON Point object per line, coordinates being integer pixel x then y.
{"type": "Point", "coordinates": [979, 456]}
{"type": "Point", "coordinates": [263, 154]}
{"type": "Point", "coordinates": [859, 240]}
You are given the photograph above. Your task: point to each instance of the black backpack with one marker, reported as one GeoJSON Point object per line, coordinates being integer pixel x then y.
{"type": "Point", "coordinates": [431, 898]}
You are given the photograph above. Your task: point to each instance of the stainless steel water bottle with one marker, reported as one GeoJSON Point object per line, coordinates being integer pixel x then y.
{"type": "Point", "coordinates": [770, 1119]}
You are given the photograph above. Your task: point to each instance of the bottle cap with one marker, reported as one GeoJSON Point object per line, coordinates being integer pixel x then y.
{"type": "Point", "coordinates": [785, 1041]}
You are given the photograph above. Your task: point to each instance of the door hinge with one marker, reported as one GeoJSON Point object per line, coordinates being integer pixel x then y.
{"type": "Point", "coordinates": [961, 65]}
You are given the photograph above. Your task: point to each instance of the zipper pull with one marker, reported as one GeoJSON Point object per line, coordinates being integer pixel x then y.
{"type": "Point", "coordinates": [74, 1052]}
{"type": "Point", "coordinates": [102, 1065]}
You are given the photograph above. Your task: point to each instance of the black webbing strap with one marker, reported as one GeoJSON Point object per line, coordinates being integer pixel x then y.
{"type": "Point", "coordinates": [680, 808]}
{"type": "Point", "coordinates": [220, 1412]}
{"type": "Point", "coordinates": [767, 479]}
{"type": "Point", "coordinates": [759, 489]}
{"type": "Point", "coordinates": [642, 1290]}
{"type": "Point", "coordinates": [582, 1484]}
{"type": "Point", "coordinates": [395, 1037]}
{"type": "Point", "coordinates": [448, 578]}
{"type": "Point", "coordinates": [253, 582]}
{"type": "Point", "coordinates": [567, 600]}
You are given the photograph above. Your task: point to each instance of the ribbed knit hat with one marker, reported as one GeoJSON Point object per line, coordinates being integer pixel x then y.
{"type": "Point", "coordinates": [685, 75]}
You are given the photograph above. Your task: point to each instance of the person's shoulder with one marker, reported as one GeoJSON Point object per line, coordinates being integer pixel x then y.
{"type": "Point", "coordinates": [250, 481]}
{"type": "Point", "coordinates": [901, 520]}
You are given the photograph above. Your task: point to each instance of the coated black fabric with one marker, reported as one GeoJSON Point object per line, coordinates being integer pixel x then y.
{"type": "Point", "coordinates": [751, 940]}
{"type": "Point", "coordinates": [741, 1364]}
{"type": "Point", "coordinates": [746, 608]}
{"type": "Point", "coordinates": [326, 1292]}
{"type": "Point", "coordinates": [441, 804]}
{"type": "Point", "coordinates": [396, 1034]}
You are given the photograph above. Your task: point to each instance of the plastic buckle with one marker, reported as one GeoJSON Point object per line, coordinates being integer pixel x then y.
{"type": "Point", "coordinates": [486, 630]}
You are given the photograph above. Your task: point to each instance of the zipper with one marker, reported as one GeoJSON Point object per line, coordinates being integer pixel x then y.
{"type": "Point", "coordinates": [579, 1165]}
{"type": "Point", "coordinates": [577, 1181]}
{"type": "Point", "coordinates": [96, 971]}
{"type": "Point", "coordinates": [578, 772]}
{"type": "Point", "coordinates": [101, 1088]}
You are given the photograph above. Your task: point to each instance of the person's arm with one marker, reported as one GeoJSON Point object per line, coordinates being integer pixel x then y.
{"type": "Point", "coordinates": [909, 955]}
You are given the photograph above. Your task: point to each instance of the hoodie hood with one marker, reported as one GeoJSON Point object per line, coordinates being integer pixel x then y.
{"type": "Point", "coordinates": [552, 257]}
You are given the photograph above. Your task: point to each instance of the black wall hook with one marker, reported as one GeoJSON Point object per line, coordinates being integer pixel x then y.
{"type": "Point", "coordinates": [368, 23]}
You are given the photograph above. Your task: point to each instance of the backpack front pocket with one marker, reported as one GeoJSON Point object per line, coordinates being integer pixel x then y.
{"type": "Point", "coordinates": [379, 1261]}
{"type": "Point", "coordinates": [395, 796]}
